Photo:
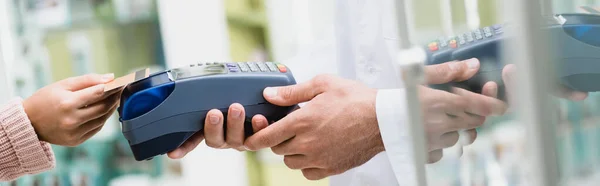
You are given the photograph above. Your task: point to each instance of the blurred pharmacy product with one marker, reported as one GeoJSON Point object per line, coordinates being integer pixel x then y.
{"type": "Point", "coordinates": [80, 48]}
{"type": "Point", "coordinates": [7, 49]}
{"type": "Point", "coordinates": [129, 10]}
{"type": "Point", "coordinates": [48, 15]}
{"type": "Point", "coordinates": [300, 28]}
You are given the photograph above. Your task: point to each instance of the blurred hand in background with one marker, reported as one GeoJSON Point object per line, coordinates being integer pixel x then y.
{"type": "Point", "coordinates": [509, 76]}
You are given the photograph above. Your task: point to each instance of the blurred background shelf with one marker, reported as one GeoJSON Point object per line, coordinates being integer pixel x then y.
{"type": "Point", "coordinates": [248, 19]}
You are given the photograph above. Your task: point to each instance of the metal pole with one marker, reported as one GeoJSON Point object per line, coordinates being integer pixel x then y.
{"type": "Point", "coordinates": [403, 26]}
{"type": "Point", "coordinates": [529, 49]}
{"type": "Point", "coordinates": [472, 12]}
{"type": "Point", "coordinates": [447, 23]}
{"type": "Point", "coordinates": [411, 68]}
{"type": "Point", "coordinates": [547, 8]}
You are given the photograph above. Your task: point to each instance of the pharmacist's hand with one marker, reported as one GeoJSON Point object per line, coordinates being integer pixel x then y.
{"type": "Point", "coordinates": [339, 120]}
{"type": "Point", "coordinates": [71, 111]}
{"type": "Point", "coordinates": [214, 132]}
{"type": "Point", "coordinates": [508, 76]}
{"type": "Point", "coordinates": [445, 114]}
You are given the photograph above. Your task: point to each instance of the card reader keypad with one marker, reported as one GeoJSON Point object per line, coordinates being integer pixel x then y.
{"type": "Point", "coordinates": [248, 67]}
{"type": "Point", "coordinates": [465, 39]}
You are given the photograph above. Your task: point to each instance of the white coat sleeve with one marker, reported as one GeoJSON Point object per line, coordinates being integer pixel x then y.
{"type": "Point", "coordinates": [391, 108]}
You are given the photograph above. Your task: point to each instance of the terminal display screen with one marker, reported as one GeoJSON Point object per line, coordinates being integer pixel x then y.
{"type": "Point", "coordinates": [200, 70]}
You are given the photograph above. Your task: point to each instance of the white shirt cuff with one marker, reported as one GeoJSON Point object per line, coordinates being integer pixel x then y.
{"type": "Point", "coordinates": [391, 108]}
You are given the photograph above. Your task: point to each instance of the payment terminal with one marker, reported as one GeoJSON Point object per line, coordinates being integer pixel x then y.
{"type": "Point", "coordinates": [577, 52]}
{"type": "Point", "coordinates": [160, 112]}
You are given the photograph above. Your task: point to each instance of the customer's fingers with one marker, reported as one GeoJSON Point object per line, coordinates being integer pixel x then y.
{"type": "Point", "coordinates": [213, 130]}
{"type": "Point", "coordinates": [88, 96]}
{"type": "Point", "coordinates": [97, 109]}
{"type": "Point", "coordinates": [92, 127]}
{"type": "Point", "coordinates": [85, 81]}
{"type": "Point", "coordinates": [235, 126]}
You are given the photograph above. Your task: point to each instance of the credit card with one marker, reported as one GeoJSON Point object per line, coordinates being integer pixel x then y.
{"type": "Point", "coordinates": [125, 80]}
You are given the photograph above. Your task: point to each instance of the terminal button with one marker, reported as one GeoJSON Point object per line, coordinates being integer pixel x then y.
{"type": "Point", "coordinates": [487, 31]}
{"type": "Point", "coordinates": [453, 43]}
{"type": "Point", "coordinates": [281, 68]}
{"type": "Point", "coordinates": [253, 67]}
{"type": "Point", "coordinates": [498, 29]}
{"type": "Point", "coordinates": [469, 37]}
{"type": "Point", "coordinates": [443, 43]}
{"type": "Point", "coordinates": [433, 46]}
{"type": "Point", "coordinates": [272, 67]}
{"type": "Point", "coordinates": [478, 34]}
{"type": "Point", "coordinates": [244, 67]}
{"type": "Point", "coordinates": [263, 67]}
{"type": "Point", "coordinates": [462, 40]}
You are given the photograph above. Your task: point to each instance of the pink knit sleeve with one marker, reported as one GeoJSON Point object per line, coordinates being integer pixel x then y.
{"type": "Point", "coordinates": [21, 152]}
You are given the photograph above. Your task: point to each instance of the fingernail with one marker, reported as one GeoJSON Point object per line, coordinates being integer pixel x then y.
{"type": "Point", "coordinates": [236, 113]}
{"type": "Point", "coordinates": [495, 92]}
{"type": "Point", "coordinates": [473, 63]}
{"type": "Point", "coordinates": [178, 153]}
{"type": "Point", "coordinates": [270, 92]}
{"type": "Point", "coordinates": [108, 77]}
{"type": "Point", "coordinates": [101, 88]}
{"type": "Point", "coordinates": [246, 148]}
{"type": "Point", "coordinates": [214, 120]}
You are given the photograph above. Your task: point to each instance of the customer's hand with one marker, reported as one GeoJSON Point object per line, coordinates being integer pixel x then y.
{"type": "Point", "coordinates": [71, 111]}
{"type": "Point", "coordinates": [337, 129]}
